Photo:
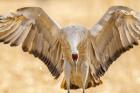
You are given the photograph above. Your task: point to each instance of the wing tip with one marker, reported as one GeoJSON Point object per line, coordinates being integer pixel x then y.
{"type": "Point", "coordinates": [28, 8]}
{"type": "Point", "coordinates": [117, 7]}
{"type": "Point", "coordinates": [12, 44]}
{"type": "Point", "coordinates": [25, 49]}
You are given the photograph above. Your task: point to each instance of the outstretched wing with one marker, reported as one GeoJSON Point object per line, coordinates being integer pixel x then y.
{"type": "Point", "coordinates": [116, 32]}
{"type": "Point", "coordinates": [38, 34]}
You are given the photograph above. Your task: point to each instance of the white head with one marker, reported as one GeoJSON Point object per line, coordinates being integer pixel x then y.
{"type": "Point", "coordinates": [74, 34]}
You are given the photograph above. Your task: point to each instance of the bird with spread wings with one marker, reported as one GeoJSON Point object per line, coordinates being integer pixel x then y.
{"type": "Point", "coordinates": [83, 54]}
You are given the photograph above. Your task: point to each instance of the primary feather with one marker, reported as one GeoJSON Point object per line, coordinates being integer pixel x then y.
{"type": "Point", "coordinates": [37, 33]}
{"type": "Point", "coordinates": [116, 32]}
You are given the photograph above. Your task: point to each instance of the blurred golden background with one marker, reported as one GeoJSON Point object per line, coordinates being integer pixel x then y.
{"type": "Point", "coordinates": [22, 73]}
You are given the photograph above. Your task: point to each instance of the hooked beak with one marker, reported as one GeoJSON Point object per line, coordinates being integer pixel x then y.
{"type": "Point", "coordinates": [75, 57]}
{"type": "Point", "coordinates": [74, 54]}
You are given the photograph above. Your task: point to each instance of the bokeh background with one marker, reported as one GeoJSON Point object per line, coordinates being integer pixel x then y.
{"type": "Point", "coordinates": [22, 73]}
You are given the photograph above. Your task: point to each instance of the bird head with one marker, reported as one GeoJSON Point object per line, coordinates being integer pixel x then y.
{"type": "Point", "coordinates": [72, 36]}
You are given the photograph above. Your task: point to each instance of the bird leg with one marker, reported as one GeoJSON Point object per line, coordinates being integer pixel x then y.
{"type": "Point", "coordinates": [75, 66]}
{"type": "Point", "coordinates": [67, 73]}
{"type": "Point", "coordinates": [85, 72]}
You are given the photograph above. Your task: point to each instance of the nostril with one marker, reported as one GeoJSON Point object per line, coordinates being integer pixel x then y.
{"type": "Point", "coordinates": [74, 57]}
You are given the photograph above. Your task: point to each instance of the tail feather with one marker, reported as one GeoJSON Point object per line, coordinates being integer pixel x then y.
{"type": "Point", "coordinates": [64, 85]}
{"type": "Point", "coordinates": [91, 83]}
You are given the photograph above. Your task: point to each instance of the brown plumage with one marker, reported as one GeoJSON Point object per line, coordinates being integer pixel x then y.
{"type": "Point", "coordinates": [83, 54]}
{"type": "Point", "coordinates": [116, 33]}
{"type": "Point", "coordinates": [32, 28]}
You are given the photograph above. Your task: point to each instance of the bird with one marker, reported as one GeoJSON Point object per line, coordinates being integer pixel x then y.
{"type": "Point", "coordinates": [82, 54]}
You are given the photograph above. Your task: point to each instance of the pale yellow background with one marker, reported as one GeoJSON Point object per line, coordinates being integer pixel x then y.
{"type": "Point", "coordinates": [22, 73]}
